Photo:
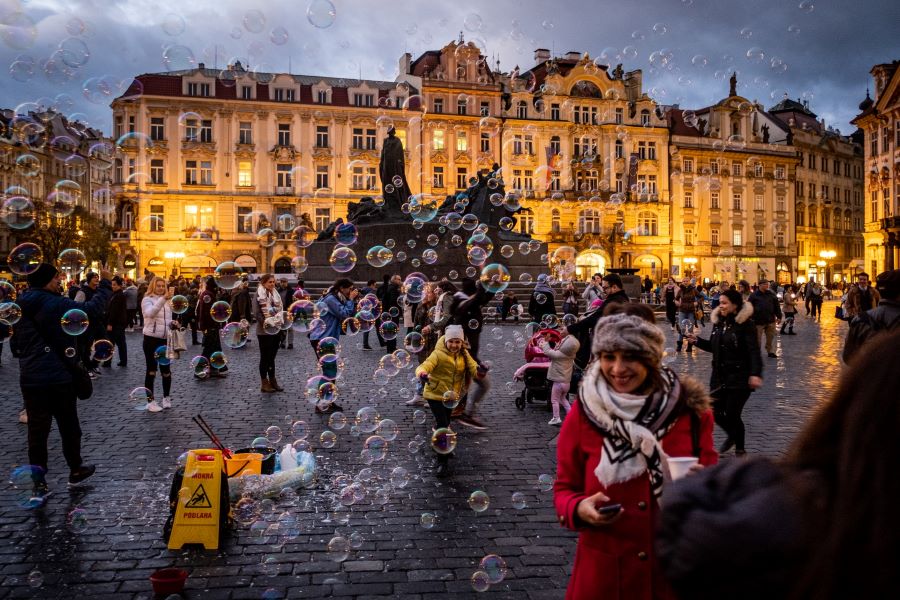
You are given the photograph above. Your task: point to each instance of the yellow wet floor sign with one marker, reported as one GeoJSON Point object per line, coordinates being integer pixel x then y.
{"type": "Point", "coordinates": [197, 515]}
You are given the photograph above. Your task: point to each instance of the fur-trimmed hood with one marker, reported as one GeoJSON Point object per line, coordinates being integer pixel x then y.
{"type": "Point", "coordinates": [695, 395]}
{"type": "Point", "coordinates": [742, 316]}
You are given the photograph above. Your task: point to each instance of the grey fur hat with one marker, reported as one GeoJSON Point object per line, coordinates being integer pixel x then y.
{"type": "Point", "coordinates": [629, 333]}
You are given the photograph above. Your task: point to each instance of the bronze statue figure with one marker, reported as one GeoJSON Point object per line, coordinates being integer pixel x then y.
{"type": "Point", "coordinates": [392, 165]}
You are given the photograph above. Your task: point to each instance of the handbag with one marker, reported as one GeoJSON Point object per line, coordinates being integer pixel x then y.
{"type": "Point", "coordinates": [81, 378]}
{"type": "Point", "coordinates": [839, 312]}
{"type": "Point", "coordinates": [175, 343]}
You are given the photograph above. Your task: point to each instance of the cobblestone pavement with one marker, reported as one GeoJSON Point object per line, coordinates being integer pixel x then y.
{"type": "Point", "coordinates": [113, 549]}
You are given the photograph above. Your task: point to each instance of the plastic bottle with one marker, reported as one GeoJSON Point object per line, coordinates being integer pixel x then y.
{"type": "Point", "coordinates": [288, 458]}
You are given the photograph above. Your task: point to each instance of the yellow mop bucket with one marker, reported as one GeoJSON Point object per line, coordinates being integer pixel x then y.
{"type": "Point", "coordinates": [244, 463]}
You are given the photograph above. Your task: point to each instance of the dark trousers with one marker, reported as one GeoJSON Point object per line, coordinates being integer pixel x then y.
{"type": "Point", "coordinates": [366, 339]}
{"type": "Point", "coordinates": [149, 346]}
{"type": "Point", "coordinates": [817, 308]}
{"type": "Point", "coordinates": [212, 343]}
{"type": "Point", "coordinates": [43, 404]}
{"type": "Point", "coordinates": [442, 419]}
{"type": "Point", "coordinates": [131, 315]}
{"type": "Point", "coordinates": [117, 337]}
{"type": "Point", "coordinates": [268, 348]}
{"type": "Point", "coordinates": [727, 408]}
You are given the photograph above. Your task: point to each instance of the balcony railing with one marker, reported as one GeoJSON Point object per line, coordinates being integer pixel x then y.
{"type": "Point", "coordinates": [284, 191]}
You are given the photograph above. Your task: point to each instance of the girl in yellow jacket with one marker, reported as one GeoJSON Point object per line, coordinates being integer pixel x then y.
{"type": "Point", "coordinates": [447, 373]}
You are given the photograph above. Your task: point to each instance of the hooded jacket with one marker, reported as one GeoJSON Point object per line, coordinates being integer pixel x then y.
{"type": "Point", "coordinates": [562, 358]}
{"type": "Point", "coordinates": [885, 317]}
{"type": "Point", "coordinates": [735, 348]}
{"type": "Point", "coordinates": [447, 371]}
{"type": "Point", "coordinates": [619, 560]}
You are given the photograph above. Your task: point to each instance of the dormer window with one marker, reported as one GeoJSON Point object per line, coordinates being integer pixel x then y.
{"type": "Point", "coordinates": [322, 97]}
{"type": "Point", "coordinates": [198, 89]}
{"type": "Point", "coordinates": [522, 110]}
{"type": "Point", "coordinates": [363, 99]}
{"type": "Point", "coordinates": [284, 95]}
{"type": "Point", "coordinates": [645, 117]}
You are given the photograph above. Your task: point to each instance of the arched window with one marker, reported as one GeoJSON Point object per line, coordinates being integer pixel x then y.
{"type": "Point", "coordinates": [554, 221]}
{"type": "Point", "coordinates": [647, 223]}
{"type": "Point", "coordinates": [826, 219]}
{"type": "Point", "coordinates": [847, 220]}
{"type": "Point", "coordinates": [837, 219]}
{"type": "Point", "coordinates": [282, 265]}
{"type": "Point", "coordinates": [588, 221]}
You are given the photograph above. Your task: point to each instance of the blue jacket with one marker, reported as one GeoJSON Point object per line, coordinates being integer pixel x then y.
{"type": "Point", "coordinates": [334, 316]}
{"type": "Point", "coordinates": [39, 361]}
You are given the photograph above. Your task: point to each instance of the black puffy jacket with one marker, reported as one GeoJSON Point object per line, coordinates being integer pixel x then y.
{"type": "Point", "coordinates": [39, 358]}
{"type": "Point", "coordinates": [735, 348]}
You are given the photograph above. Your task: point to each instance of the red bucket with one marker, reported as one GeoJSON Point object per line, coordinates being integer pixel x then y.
{"type": "Point", "coordinates": [168, 581]}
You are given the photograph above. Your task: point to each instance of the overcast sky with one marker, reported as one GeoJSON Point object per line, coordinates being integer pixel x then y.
{"type": "Point", "coordinates": [820, 50]}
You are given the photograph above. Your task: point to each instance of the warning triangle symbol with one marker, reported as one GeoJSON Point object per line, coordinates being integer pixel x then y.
{"type": "Point", "coordinates": [199, 499]}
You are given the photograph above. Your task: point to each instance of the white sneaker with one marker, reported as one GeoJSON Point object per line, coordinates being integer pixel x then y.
{"type": "Point", "coordinates": [153, 406]}
{"type": "Point", "coordinates": [555, 421]}
{"type": "Point", "coordinates": [167, 402]}
{"type": "Point", "coordinates": [23, 416]}
{"type": "Point", "coordinates": [415, 402]}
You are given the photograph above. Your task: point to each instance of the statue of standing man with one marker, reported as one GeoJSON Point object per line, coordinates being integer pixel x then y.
{"type": "Point", "coordinates": [391, 167]}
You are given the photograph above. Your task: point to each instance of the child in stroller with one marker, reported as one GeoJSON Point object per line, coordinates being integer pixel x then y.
{"type": "Point", "coordinates": [534, 371]}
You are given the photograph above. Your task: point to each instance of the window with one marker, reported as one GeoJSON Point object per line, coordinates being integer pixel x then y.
{"type": "Point", "coordinates": [284, 134]}
{"type": "Point", "coordinates": [370, 139]}
{"type": "Point", "coordinates": [885, 140]}
{"type": "Point", "coordinates": [322, 96]}
{"type": "Point", "coordinates": [526, 223]}
{"type": "Point", "coordinates": [437, 139]}
{"type": "Point", "coordinates": [245, 173]}
{"type": "Point", "coordinates": [198, 216]}
{"type": "Point", "coordinates": [363, 100]}
{"type": "Point", "coordinates": [812, 216]}
{"type": "Point", "coordinates": [647, 223]}
{"type": "Point", "coordinates": [517, 144]}
{"type": "Point", "coordinates": [321, 136]}
{"type": "Point", "coordinates": [357, 139]}
{"type": "Point", "coordinates": [554, 221]}
{"type": "Point", "coordinates": [118, 169]}
{"type": "Point", "coordinates": [157, 217]}
{"type": "Point", "coordinates": [737, 169]}
{"type": "Point", "coordinates": [554, 113]}
{"type": "Point", "coordinates": [157, 171]}
{"type": "Point", "coordinates": [689, 199]}
{"type": "Point", "coordinates": [206, 172]}
{"type": "Point", "coordinates": [642, 150]}
{"type": "Point", "coordinates": [244, 219]}
{"type": "Point", "coordinates": [554, 181]}
{"type": "Point", "coordinates": [800, 216]}
{"type": "Point", "coordinates": [714, 200]}
{"type": "Point", "coordinates": [157, 129]}
{"type": "Point", "coordinates": [758, 170]}
{"type": "Point", "coordinates": [620, 116]}
{"type": "Point", "coordinates": [191, 130]}
{"type": "Point", "coordinates": [824, 164]}
{"type": "Point", "coordinates": [371, 178]}
{"type": "Point", "coordinates": [555, 145]}
{"type": "Point", "coordinates": [323, 218]}
{"type": "Point", "coordinates": [758, 235]}
{"type": "Point", "coordinates": [438, 105]}
{"type": "Point", "coordinates": [779, 239]}
{"type": "Point", "coordinates": [714, 237]}
{"type": "Point", "coordinates": [283, 95]}
{"type": "Point", "coordinates": [245, 132]}
{"type": "Point", "coordinates": [118, 129]}
{"type": "Point", "coordinates": [779, 203]}
{"type": "Point", "coordinates": [528, 180]}
{"type": "Point", "coordinates": [437, 177]}
{"type": "Point", "coordinates": [517, 179]}
{"type": "Point", "coordinates": [246, 92]}
{"type": "Point", "coordinates": [522, 110]}
{"type": "Point", "coordinates": [897, 133]}
{"type": "Point", "coordinates": [620, 183]}
{"type": "Point", "coordinates": [758, 202]}
{"type": "Point", "coordinates": [322, 180]}
{"type": "Point", "coordinates": [826, 219]}
{"type": "Point", "coordinates": [485, 142]}
{"type": "Point", "coordinates": [461, 178]}
{"type": "Point", "coordinates": [647, 184]}
{"type": "Point", "coordinates": [779, 171]}
{"type": "Point", "coordinates": [588, 221]}
{"type": "Point", "coordinates": [401, 135]}
{"type": "Point", "coordinates": [873, 143]}
{"type": "Point", "coordinates": [198, 89]}
{"type": "Point", "coordinates": [206, 131]}
{"type": "Point", "coordinates": [190, 172]}
{"type": "Point", "coordinates": [462, 142]}
{"type": "Point", "coordinates": [620, 149]}
{"type": "Point", "coordinates": [283, 179]}
{"type": "Point", "coordinates": [688, 236]}
{"type": "Point", "coordinates": [485, 109]}
{"type": "Point", "coordinates": [586, 180]}
{"type": "Point", "coordinates": [529, 144]}
{"type": "Point", "coordinates": [645, 117]}
{"type": "Point", "coordinates": [687, 165]}
{"type": "Point", "coordinates": [651, 150]}
{"type": "Point", "coordinates": [737, 201]}
{"type": "Point", "coordinates": [461, 105]}
{"type": "Point", "coordinates": [714, 167]}
{"type": "Point", "coordinates": [132, 169]}
{"type": "Point", "coordinates": [737, 237]}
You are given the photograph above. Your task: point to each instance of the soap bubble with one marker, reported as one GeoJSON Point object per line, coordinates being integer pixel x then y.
{"type": "Point", "coordinates": [228, 275]}
{"type": "Point", "coordinates": [101, 350]}
{"type": "Point", "coordinates": [218, 361]}
{"type": "Point", "coordinates": [388, 429]}
{"type": "Point", "coordinates": [337, 420]}
{"type": "Point", "coordinates": [399, 477]}
{"type": "Point", "coordinates": [338, 549]}
{"type": "Point", "coordinates": [273, 434]}
{"type": "Point", "coordinates": [74, 321]}
{"type": "Point", "coordinates": [379, 256]}
{"type": "Point", "coordinates": [10, 313]}
{"type": "Point", "coordinates": [479, 501]}
{"type": "Point", "coordinates": [321, 13]}
{"type": "Point", "coordinates": [200, 366]}
{"type": "Point", "coordinates": [220, 311]}
{"type": "Point", "coordinates": [235, 335]}
{"type": "Point", "coordinates": [545, 482]}
{"type": "Point", "coordinates": [18, 212]}
{"type": "Point", "coordinates": [375, 448]}
{"type": "Point", "coordinates": [495, 278]}
{"type": "Point", "coordinates": [495, 567]}
{"type": "Point", "coordinates": [139, 397]}
{"type": "Point", "coordinates": [179, 304]}
{"type": "Point", "coordinates": [367, 419]}
{"type": "Point", "coordinates": [246, 511]}
{"type": "Point", "coordinates": [389, 330]}
{"type": "Point", "coordinates": [443, 440]}
{"type": "Point", "coordinates": [77, 519]}
{"type": "Point", "coordinates": [35, 579]}
{"type": "Point", "coordinates": [419, 417]}
{"type": "Point", "coordinates": [303, 312]}
{"type": "Point", "coordinates": [161, 355]}
{"type": "Point", "coordinates": [480, 581]}
{"type": "Point", "coordinates": [328, 439]}
{"type": "Point", "coordinates": [518, 500]}
{"type": "Point", "coordinates": [342, 259]}
{"type": "Point", "coordinates": [450, 399]}
{"type": "Point", "coordinates": [346, 234]}
{"type": "Point", "coordinates": [25, 258]}
{"type": "Point", "coordinates": [414, 342]}
{"type": "Point", "coordinates": [427, 520]}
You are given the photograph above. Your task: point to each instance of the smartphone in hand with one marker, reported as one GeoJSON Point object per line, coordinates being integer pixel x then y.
{"type": "Point", "coordinates": [610, 509]}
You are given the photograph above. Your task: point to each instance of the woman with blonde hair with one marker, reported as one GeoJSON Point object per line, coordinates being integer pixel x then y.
{"type": "Point", "coordinates": [269, 322]}
{"type": "Point", "coordinates": [158, 319]}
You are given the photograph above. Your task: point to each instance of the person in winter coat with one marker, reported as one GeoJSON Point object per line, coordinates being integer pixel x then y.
{"type": "Point", "coordinates": [96, 329]}
{"type": "Point", "coordinates": [612, 457]}
{"type": "Point", "coordinates": [117, 321]}
{"type": "Point", "coordinates": [669, 292]}
{"type": "Point", "coordinates": [810, 525]}
{"type": "Point", "coordinates": [506, 306]}
{"type": "Point", "coordinates": [815, 295]}
{"type": "Point", "coordinates": [687, 300]}
{"type": "Point", "coordinates": [593, 289]}
{"type": "Point", "coordinates": [269, 320]}
{"type": "Point", "coordinates": [241, 306]}
{"type": "Point", "coordinates": [443, 313]}
{"type": "Point", "coordinates": [44, 372]}
{"type": "Point", "coordinates": [570, 300]}
{"type": "Point", "coordinates": [447, 371]}
{"type": "Point", "coordinates": [340, 300]}
{"type": "Point", "coordinates": [789, 309]}
{"type": "Point", "coordinates": [881, 319]}
{"type": "Point", "coordinates": [736, 368]}
{"type": "Point", "coordinates": [131, 303]}
{"type": "Point", "coordinates": [542, 301]}
{"type": "Point", "coordinates": [286, 291]}
{"type": "Point", "coordinates": [367, 290]}
{"type": "Point", "coordinates": [766, 311]}
{"type": "Point", "coordinates": [390, 305]}
{"type": "Point", "coordinates": [562, 363]}
{"type": "Point", "coordinates": [860, 297]}
{"type": "Point", "coordinates": [210, 327]}
{"type": "Point", "coordinates": [158, 319]}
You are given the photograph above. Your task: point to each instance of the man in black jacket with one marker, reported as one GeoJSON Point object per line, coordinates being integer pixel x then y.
{"type": "Point", "coordinates": [467, 311]}
{"type": "Point", "coordinates": [44, 372]}
{"type": "Point", "coordinates": [390, 305]}
{"type": "Point", "coordinates": [117, 320]}
{"type": "Point", "coordinates": [884, 317]}
{"type": "Point", "coordinates": [766, 312]}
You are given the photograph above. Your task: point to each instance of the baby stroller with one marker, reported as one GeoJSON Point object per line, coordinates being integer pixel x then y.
{"type": "Point", "coordinates": [534, 371]}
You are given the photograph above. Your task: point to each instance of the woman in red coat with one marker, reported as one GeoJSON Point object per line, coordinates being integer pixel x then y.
{"type": "Point", "coordinates": [612, 459]}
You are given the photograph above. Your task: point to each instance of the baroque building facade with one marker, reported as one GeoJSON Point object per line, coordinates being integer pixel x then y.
{"type": "Point", "coordinates": [828, 190]}
{"type": "Point", "coordinates": [733, 172]}
{"type": "Point", "coordinates": [879, 119]}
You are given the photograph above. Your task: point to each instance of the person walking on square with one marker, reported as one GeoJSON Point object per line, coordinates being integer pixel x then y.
{"type": "Point", "coordinates": [117, 321]}
{"type": "Point", "coordinates": [131, 303]}
{"type": "Point", "coordinates": [736, 366]}
{"type": "Point", "coordinates": [883, 318]}
{"type": "Point", "coordinates": [209, 326]}
{"type": "Point", "coordinates": [613, 455]}
{"type": "Point", "coordinates": [287, 298]}
{"type": "Point", "coordinates": [790, 309]}
{"type": "Point", "coordinates": [686, 299]}
{"type": "Point", "coordinates": [268, 331]}
{"type": "Point", "coordinates": [766, 314]}
{"type": "Point", "coordinates": [367, 290]}
{"type": "Point", "coordinates": [816, 295]}
{"type": "Point", "coordinates": [670, 290]}
{"type": "Point", "coordinates": [45, 372]}
{"type": "Point", "coordinates": [562, 363]}
{"type": "Point", "coordinates": [861, 297]}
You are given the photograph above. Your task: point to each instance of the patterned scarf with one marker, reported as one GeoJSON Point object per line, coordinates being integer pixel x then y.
{"type": "Point", "coordinates": [632, 427]}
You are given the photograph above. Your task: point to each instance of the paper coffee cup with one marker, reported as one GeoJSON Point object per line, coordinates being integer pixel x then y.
{"type": "Point", "coordinates": [679, 466]}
